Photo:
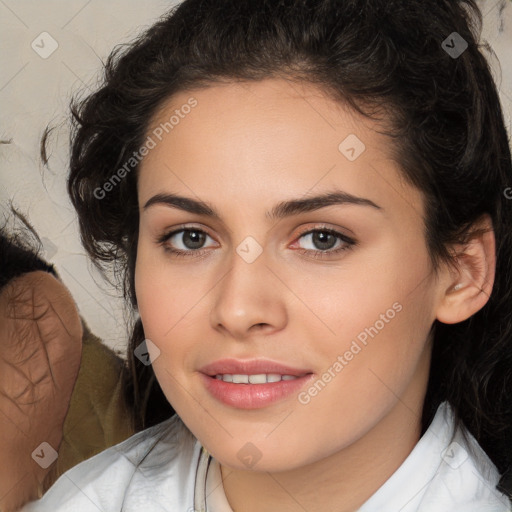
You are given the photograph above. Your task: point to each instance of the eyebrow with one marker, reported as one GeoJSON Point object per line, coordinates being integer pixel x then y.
{"type": "Point", "coordinates": [279, 211]}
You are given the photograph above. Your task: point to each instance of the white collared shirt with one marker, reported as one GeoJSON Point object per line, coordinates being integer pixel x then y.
{"type": "Point", "coordinates": [159, 470]}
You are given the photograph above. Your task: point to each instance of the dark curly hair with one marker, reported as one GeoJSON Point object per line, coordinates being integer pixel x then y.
{"type": "Point", "coordinates": [20, 249]}
{"type": "Point", "coordinates": [384, 58]}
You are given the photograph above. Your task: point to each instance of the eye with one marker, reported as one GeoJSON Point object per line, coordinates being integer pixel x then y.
{"type": "Point", "coordinates": [325, 239]}
{"type": "Point", "coordinates": [191, 241]}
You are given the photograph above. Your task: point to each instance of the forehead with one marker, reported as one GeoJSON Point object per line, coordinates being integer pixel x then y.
{"type": "Point", "coordinates": [274, 106]}
{"type": "Point", "coordinates": [255, 140]}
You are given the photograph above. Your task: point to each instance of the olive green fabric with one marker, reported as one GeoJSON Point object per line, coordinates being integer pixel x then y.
{"type": "Point", "coordinates": [97, 417]}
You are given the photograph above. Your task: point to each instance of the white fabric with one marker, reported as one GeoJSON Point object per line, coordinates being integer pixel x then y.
{"type": "Point", "coordinates": [167, 457]}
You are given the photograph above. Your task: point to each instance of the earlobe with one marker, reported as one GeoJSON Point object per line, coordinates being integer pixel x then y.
{"type": "Point", "coordinates": [468, 289]}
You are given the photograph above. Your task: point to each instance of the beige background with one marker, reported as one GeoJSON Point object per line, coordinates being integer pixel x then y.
{"type": "Point", "coordinates": [35, 92]}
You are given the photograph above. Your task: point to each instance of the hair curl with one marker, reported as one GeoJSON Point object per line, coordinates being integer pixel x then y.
{"type": "Point", "coordinates": [383, 58]}
{"type": "Point", "coordinates": [20, 249]}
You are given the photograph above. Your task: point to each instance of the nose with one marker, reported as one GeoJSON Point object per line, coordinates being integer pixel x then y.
{"type": "Point", "coordinates": [249, 299]}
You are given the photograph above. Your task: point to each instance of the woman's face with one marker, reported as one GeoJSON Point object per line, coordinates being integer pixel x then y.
{"type": "Point", "coordinates": [351, 325]}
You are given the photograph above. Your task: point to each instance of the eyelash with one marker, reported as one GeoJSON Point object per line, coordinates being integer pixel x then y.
{"type": "Point", "coordinates": [350, 243]}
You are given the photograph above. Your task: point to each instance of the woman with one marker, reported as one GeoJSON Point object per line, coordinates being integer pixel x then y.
{"type": "Point", "coordinates": [306, 202]}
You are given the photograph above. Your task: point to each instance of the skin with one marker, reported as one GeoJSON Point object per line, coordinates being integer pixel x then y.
{"type": "Point", "coordinates": [242, 149]}
{"type": "Point", "coordinates": [41, 339]}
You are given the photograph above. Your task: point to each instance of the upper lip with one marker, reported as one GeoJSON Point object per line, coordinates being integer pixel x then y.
{"type": "Point", "coordinates": [250, 367]}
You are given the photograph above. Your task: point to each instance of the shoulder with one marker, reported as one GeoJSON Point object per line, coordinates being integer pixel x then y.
{"type": "Point", "coordinates": [467, 477]}
{"type": "Point", "coordinates": [153, 467]}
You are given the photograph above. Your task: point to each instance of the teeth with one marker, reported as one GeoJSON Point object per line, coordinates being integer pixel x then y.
{"type": "Point", "coordinates": [261, 378]}
{"type": "Point", "coordinates": [258, 379]}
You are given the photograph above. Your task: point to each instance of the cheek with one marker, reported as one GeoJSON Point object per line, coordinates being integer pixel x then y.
{"type": "Point", "coordinates": [162, 308]}
{"type": "Point", "coordinates": [353, 296]}
{"type": "Point", "coordinates": [376, 314]}
{"type": "Point", "coordinates": [159, 297]}
{"type": "Point", "coordinates": [168, 303]}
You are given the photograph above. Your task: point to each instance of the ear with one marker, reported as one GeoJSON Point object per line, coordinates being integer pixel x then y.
{"type": "Point", "coordinates": [467, 288]}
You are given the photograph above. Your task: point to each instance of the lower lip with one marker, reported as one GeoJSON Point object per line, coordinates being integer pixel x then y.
{"type": "Point", "coordinates": [253, 396]}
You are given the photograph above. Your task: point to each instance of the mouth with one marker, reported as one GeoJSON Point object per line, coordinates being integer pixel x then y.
{"type": "Point", "coordinates": [252, 384]}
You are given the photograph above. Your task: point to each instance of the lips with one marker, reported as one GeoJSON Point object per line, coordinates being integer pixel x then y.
{"type": "Point", "coordinates": [251, 367]}
{"type": "Point", "coordinates": [239, 383]}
